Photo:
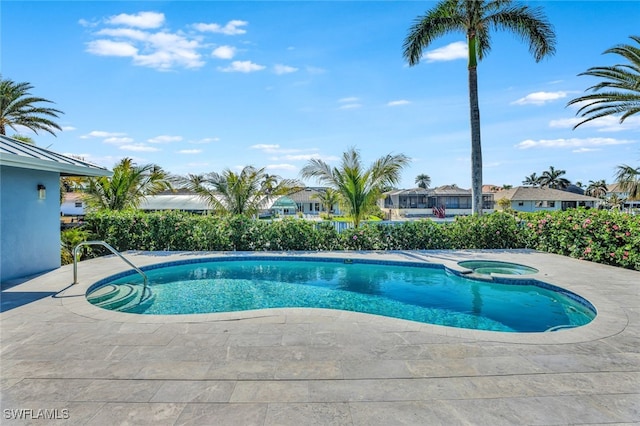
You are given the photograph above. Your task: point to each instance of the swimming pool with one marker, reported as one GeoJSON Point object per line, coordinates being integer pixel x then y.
{"type": "Point", "coordinates": [417, 291]}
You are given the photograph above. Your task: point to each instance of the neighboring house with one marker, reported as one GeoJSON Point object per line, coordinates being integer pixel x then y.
{"type": "Point", "coordinates": [284, 206]}
{"type": "Point", "coordinates": [307, 202]}
{"type": "Point", "coordinates": [30, 206]}
{"type": "Point", "coordinates": [446, 200]}
{"type": "Point", "coordinates": [73, 204]}
{"type": "Point", "coordinates": [529, 199]}
{"type": "Point", "coordinates": [615, 189]}
{"type": "Point", "coordinates": [181, 200]}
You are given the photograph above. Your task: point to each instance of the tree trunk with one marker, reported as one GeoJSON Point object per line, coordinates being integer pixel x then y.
{"type": "Point", "coordinates": [476, 147]}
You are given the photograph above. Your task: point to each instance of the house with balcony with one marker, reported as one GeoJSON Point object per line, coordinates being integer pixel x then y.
{"type": "Point", "coordinates": [443, 201]}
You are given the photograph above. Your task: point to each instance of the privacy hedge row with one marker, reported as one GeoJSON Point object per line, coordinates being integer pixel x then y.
{"type": "Point", "coordinates": [599, 236]}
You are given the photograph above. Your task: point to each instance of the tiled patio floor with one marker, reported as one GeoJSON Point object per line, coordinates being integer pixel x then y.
{"type": "Point", "coordinates": [86, 365]}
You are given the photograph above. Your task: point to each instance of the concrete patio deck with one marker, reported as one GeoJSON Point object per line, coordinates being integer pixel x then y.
{"type": "Point", "coordinates": [64, 358]}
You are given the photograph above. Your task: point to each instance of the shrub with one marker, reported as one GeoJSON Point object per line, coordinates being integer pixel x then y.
{"type": "Point", "coordinates": [597, 235]}
{"type": "Point", "coordinates": [602, 236]}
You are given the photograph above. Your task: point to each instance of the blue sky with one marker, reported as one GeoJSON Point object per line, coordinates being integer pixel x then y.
{"type": "Point", "coordinates": [201, 86]}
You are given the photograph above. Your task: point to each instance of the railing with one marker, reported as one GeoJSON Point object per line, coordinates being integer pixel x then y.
{"type": "Point", "coordinates": [114, 251]}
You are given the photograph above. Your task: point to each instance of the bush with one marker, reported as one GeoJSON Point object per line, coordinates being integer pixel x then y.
{"type": "Point", "coordinates": [601, 236]}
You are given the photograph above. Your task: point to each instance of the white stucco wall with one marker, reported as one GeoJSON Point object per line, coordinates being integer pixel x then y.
{"type": "Point", "coordinates": [29, 227]}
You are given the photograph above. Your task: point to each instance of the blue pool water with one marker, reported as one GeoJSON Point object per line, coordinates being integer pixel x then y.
{"type": "Point", "coordinates": [420, 292]}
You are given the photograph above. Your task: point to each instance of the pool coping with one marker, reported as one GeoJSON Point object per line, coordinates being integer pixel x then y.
{"type": "Point", "coordinates": [610, 320]}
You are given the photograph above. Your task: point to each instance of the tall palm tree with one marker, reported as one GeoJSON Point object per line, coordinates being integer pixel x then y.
{"type": "Point", "coordinates": [620, 85]}
{"type": "Point", "coordinates": [19, 108]}
{"type": "Point", "coordinates": [243, 193]}
{"type": "Point", "coordinates": [552, 178]}
{"type": "Point", "coordinates": [597, 188]}
{"type": "Point", "coordinates": [629, 180]}
{"type": "Point", "coordinates": [475, 18]}
{"type": "Point", "coordinates": [532, 180]}
{"type": "Point", "coordinates": [127, 187]}
{"type": "Point", "coordinates": [359, 188]}
{"type": "Point", "coordinates": [328, 198]}
{"type": "Point", "coordinates": [423, 181]}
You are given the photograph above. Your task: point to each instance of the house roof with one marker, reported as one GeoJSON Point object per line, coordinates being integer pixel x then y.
{"type": "Point", "coordinates": [527, 193]}
{"type": "Point", "coordinates": [189, 202]}
{"type": "Point", "coordinates": [22, 155]}
{"type": "Point", "coordinates": [284, 203]}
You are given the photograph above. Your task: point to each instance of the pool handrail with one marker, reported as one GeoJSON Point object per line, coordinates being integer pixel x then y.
{"type": "Point", "coordinates": [114, 251]}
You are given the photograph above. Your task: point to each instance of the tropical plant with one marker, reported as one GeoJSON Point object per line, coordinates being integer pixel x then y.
{"type": "Point", "coordinates": [244, 193]}
{"type": "Point", "coordinates": [475, 18]}
{"type": "Point", "coordinates": [552, 178]}
{"type": "Point", "coordinates": [532, 180]}
{"type": "Point", "coordinates": [19, 108]}
{"type": "Point", "coordinates": [619, 92]}
{"type": "Point", "coordinates": [127, 187]}
{"type": "Point", "coordinates": [328, 198]}
{"type": "Point", "coordinates": [359, 188]}
{"type": "Point", "coordinates": [615, 201]}
{"type": "Point", "coordinates": [629, 180]}
{"type": "Point", "coordinates": [423, 181]}
{"type": "Point", "coordinates": [24, 139]}
{"type": "Point", "coordinates": [597, 188]}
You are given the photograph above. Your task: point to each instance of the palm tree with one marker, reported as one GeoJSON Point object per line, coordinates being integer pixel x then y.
{"type": "Point", "coordinates": [423, 181]}
{"type": "Point", "coordinates": [629, 180]}
{"type": "Point", "coordinates": [328, 198]}
{"type": "Point", "coordinates": [621, 85]}
{"type": "Point", "coordinates": [475, 18]}
{"type": "Point", "coordinates": [532, 180]}
{"type": "Point", "coordinates": [359, 188]}
{"type": "Point", "coordinates": [19, 108]}
{"type": "Point", "coordinates": [615, 202]}
{"type": "Point", "coordinates": [127, 187]}
{"type": "Point", "coordinates": [244, 193]}
{"type": "Point", "coordinates": [597, 188]}
{"type": "Point", "coordinates": [552, 178]}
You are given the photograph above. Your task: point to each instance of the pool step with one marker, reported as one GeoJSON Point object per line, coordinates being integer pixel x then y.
{"type": "Point", "coordinates": [119, 297]}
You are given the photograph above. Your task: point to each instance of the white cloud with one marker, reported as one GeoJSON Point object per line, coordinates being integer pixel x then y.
{"type": "Point", "coordinates": [266, 147]}
{"type": "Point", "coordinates": [581, 150]}
{"type": "Point", "coordinates": [224, 52]}
{"type": "Point", "coordinates": [281, 167]}
{"type": "Point", "coordinates": [161, 50]}
{"type": "Point", "coordinates": [111, 48]}
{"type": "Point", "coordinates": [231, 28]}
{"type": "Point", "coordinates": [450, 52]}
{"type": "Point", "coordinates": [571, 143]}
{"type": "Point", "coordinates": [283, 69]}
{"type": "Point", "coordinates": [350, 99]}
{"type": "Point", "coordinates": [540, 98]}
{"type": "Point", "coordinates": [118, 140]}
{"type": "Point", "coordinates": [603, 124]}
{"type": "Point", "coordinates": [101, 134]}
{"type": "Point", "coordinates": [190, 151]}
{"type": "Point", "coordinates": [139, 147]}
{"type": "Point", "coordinates": [165, 139]}
{"type": "Point", "coordinates": [205, 140]}
{"type": "Point", "coordinates": [139, 20]}
{"type": "Point", "coordinates": [68, 128]}
{"type": "Point", "coordinates": [350, 106]}
{"type": "Point", "coordinates": [242, 66]}
{"type": "Point", "coordinates": [398, 103]}
{"type": "Point", "coordinates": [306, 157]}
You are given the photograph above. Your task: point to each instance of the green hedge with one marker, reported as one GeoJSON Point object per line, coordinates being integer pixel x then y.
{"type": "Point", "coordinates": [596, 235]}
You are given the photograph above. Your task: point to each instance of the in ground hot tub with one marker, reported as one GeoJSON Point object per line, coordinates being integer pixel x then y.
{"type": "Point", "coordinates": [488, 267]}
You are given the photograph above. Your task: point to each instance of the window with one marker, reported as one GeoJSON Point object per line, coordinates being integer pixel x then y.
{"type": "Point", "coordinates": [551, 203]}
{"type": "Point", "coordinates": [539, 204]}
{"type": "Point", "coordinates": [78, 203]}
{"type": "Point", "coordinates": [521, 203]}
